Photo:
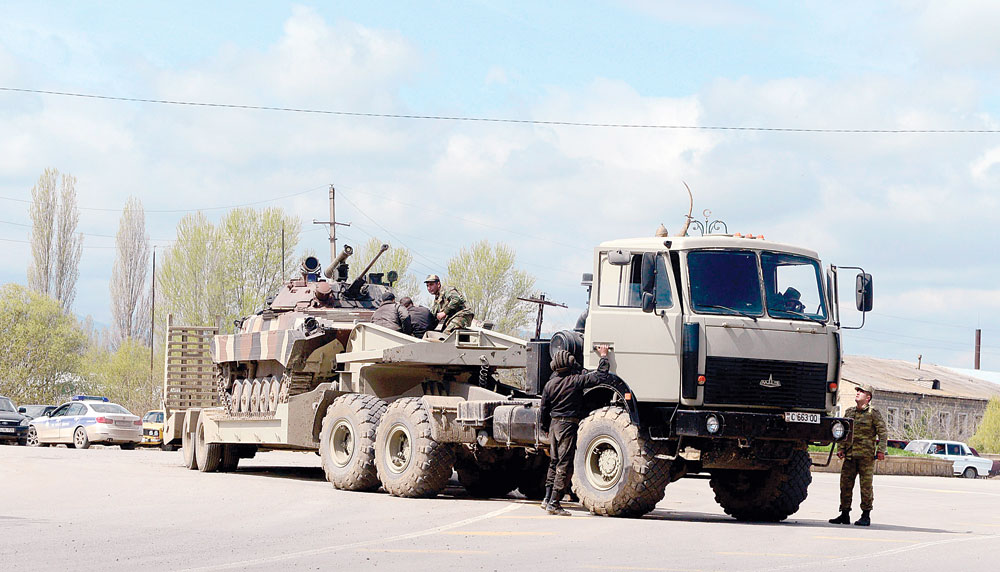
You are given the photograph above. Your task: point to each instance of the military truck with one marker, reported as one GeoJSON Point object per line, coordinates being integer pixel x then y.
{"type": "Point", "coordinates": [726, 352]}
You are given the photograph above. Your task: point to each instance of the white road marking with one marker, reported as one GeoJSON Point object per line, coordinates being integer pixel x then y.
{"type": "Point", "coordinates": [361, 544]}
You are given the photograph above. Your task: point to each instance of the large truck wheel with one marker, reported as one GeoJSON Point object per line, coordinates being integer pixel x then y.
{"type": "Point", "coordinates": [208, 455]}
{"type": "Point", "coordinates": [347, 441]}
{"type": "Point", "coordinates": [410, 462]}
{"type": "Point", "coordinates": [531, 478]}
{"type": "Point", "coordinates": [187, 449]}
{"type": "Point", "coordinates": [615, 471]}
{"type": "Point", "coordinates": [230, 458]}
{"type": "Point", "coordinates": [768, 496]}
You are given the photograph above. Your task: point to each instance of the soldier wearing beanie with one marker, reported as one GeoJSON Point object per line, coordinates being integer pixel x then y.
{"type": "Point", "coordinates": [867, 444]}
{"type": "Point", "coordinates": [561, 410]}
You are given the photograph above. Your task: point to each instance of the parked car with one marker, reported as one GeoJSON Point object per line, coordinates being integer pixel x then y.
{"type": "Point", "coordinates": [897, 443]}
{"type": "Point", "coordinates": [32, 411]}
{"type": "Point", "coordinates": [152, 430]}
{"type": "Point", "coordinates": [86, 420]}
{"type": "Point", "coordinates": [13, 425]}
{"type": "Point", "coordinates": [965, 463]}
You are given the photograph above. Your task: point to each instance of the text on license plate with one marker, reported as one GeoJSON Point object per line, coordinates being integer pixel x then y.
{"type": "Point", "coordinates": [128, 422]}
{"type": "Point", "coordinates": [7, 430]}
{"type": "Point", "coordinates": [798, 417]}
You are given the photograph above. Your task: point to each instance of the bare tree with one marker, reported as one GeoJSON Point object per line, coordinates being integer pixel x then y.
{"type": "Point", "coordinates": [56, 247]}
{"type": "Point", "coordinates": [129, 276]}
{"type": "Point", "coordinates": [44, 203]}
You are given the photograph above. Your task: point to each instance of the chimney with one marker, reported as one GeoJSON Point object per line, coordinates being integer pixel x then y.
{"type": "Point", "coordinates": [979, 339]}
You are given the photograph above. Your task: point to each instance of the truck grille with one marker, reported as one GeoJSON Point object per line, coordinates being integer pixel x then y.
{"type": "Point", "coordinates": [738, 381]}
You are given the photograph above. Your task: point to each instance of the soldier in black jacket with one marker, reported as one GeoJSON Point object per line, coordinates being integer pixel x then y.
{"type": "Point", "coordinates": [562, 409]}
{"type": "Point", "coordinates": [421, 318]}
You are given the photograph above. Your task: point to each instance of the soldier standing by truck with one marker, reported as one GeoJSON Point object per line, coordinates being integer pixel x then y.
{"type": "Point", "coordinates": [859, 457]}
{"type": "Point", "coordinates": [561, 409]}
{"type": "Point", "coordinates": [449, 306]}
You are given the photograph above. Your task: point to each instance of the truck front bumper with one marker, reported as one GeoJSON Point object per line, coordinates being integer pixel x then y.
{"type": "Point", "coordinates": [739, 425]}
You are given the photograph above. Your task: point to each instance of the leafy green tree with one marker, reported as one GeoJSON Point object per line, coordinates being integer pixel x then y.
{"type": "Point", "coordinates": [123, 375]}
{"type": "Point", "coordinates": [40, 347]}
{"type": "Point", "coordinates": [987, 437]}
{"type": "Point", "coordinates": [486, 275]}
{"type": "Point", "coordinates": [225, 272]}
{"type": "Point", "coordinates": [397, 258]}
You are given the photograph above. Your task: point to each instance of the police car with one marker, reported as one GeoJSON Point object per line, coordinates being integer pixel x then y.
{"type": "Point", "coordinates": [85, 420]}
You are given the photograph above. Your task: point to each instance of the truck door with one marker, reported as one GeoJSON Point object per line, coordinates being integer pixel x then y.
{"type": "Point", "coordinates": [646, 347]}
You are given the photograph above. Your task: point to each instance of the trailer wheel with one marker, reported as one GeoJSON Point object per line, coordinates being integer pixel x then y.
{"type": "Point", "coordinates": [347, 441]}
{"type": "Point", "coordinates": [208, 455]}
{"type": "Point", "coordinates": [230, 458]}
{"type": "Point", "coordinates": [410, 462]}
{"type": "Point", "coordinates": [187, 449]}
{"type": "Point", "coordinates": [767, 496]}
{"type": "Point", "coordinates": [616, 472]}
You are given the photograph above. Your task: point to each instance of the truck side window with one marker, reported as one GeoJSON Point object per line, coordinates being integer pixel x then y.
{"type": "Point", "coordinates": [664, 296]}
{"type": "Point", "coordinates": [620, 286]}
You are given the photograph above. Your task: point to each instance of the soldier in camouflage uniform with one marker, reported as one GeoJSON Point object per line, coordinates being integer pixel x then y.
{"type": "Point", "coordinates": [859, 455]}
{"type": "Point", "coordinates": [449, 306]}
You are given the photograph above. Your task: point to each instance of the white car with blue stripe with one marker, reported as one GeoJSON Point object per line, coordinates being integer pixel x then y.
{"type": "Point", "coordinates": [86, 420]}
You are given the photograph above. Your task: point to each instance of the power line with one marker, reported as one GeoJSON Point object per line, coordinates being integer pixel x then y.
{"type": "Point", "coordinates": [493, 119]}
{"type": "Point", "coordinates": [923, 321]}
{"type": "Point", "coordinates": [187, 210]}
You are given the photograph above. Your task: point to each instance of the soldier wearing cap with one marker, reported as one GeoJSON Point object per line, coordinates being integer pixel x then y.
{"type": "Point", "coordinates": [859, 455]}
{"type": "Point", "coordinates": [449, 306]}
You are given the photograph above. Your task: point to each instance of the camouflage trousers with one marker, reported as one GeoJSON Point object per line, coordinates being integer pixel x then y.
{"type": "Point", "coordinates": [461, 319]}
{"type": "Point", "coordinates": [864, 469]}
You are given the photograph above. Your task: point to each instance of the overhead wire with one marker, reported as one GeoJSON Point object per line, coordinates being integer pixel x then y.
{"type": "Point", "coordinates": [493, 119]}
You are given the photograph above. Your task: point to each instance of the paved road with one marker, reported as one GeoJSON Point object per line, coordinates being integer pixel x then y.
{"type": "Point", "coordinates": [107, 509]}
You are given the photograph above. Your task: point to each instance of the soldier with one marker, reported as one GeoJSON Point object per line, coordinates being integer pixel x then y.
{"type": "Point", "coordinates": [392, 315]}
{"type": "Point", "coordinates": [562, 408]}
{"type": "Point", "coordinates": [420, 317]}
{"type": "Point", "coordinates": [449, 306]}
{"type": "Point", "coordinates": [859, 457]}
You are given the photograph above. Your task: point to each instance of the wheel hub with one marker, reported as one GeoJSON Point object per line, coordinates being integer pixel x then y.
{"type": "Point", "coordinates": [604, 463]}
{"type": "Point", "coordinates": [397, 451]}
{"type": "Point", "coordinates": [342, 443]}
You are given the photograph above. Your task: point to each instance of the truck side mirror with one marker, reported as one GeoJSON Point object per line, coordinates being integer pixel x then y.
{"type": "Point", "coordinates": [863, 292]}
{"type": "Point", "coordinates": [619, 257]}
{"type": "Point", "coordinates": [648, 281]}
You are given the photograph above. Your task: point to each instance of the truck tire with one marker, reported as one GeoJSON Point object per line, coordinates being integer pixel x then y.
{"type": "Point", "coordinates": [208, 455]}
{"type": "Point", "coordinates": [531, 478]}
{"type": "Point", "coordinates": [615, 471]}
{"type": "Point", "coordinates": [187, 450]}
{"type": "Point", "coordinates": [230, 458]}
{"type": "Point", "coordinates": [765, 496]}
{"type": "Point", "coordinates": [347, 441]}
{"type": "Point", "coordinates": [410, 462]}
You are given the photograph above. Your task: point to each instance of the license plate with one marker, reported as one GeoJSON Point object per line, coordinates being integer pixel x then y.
{"type": "Point", "coordinates": [123, 422]}
{"type": "Point", "coordinates": [797, 417]}
{"type": "Point", "coordinates": [7, 430]}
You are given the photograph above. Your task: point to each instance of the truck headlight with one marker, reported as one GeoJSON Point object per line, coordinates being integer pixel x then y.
{"type": "Point", "coordinates": [712, 424]}
{"type": "Point", "coordinates": [838, 430]}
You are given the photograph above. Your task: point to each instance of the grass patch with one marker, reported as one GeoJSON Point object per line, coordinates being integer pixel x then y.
{"type": "Point", "coordinates": [890, 451]}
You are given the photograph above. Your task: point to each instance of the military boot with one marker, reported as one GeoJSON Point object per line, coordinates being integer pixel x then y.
{"type": "Point", "coordinates": [547, 498]}
{"type": "Point", "coordinates": [844, 518]}
{"type": "Point", "coordinates": [865, 520]}
{"type": "Point", "coordinates": [554, 506]}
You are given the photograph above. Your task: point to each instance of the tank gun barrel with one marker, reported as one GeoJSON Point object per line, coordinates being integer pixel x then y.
{"type": "Point", "coordinates": [355, 288]}
{"type": "Point", "coordinates": [338, 261]}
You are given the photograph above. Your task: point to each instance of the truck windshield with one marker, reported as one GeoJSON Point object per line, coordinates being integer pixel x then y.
{"type": "Point", "coordinates": [725, 282]}
{"type": "Point", "coordinates": [792, 287]}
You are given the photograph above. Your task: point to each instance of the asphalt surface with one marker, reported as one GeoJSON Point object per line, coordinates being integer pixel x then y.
{"type": "Point", "coordinates": [108, 509]}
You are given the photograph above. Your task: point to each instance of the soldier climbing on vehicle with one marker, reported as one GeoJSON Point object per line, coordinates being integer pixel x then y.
{"type": "Point", "coordinates": [450, 307]}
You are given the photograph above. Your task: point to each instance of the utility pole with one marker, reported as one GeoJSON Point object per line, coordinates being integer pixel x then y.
{"type": "Point", "coordinates": [542, 303]}
{"type": "Point", "coordinates": [332, 224]}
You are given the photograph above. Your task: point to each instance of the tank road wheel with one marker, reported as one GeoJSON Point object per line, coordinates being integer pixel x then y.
{"type": "Point", "coordinates": [187, 449]}
{"type": "Point", "coordinates": [615, 471]}
{"type": "Point", "coordinates": [208, 455]}
{"type": "Point", "coordinates": [410, 462]}
{"type": "Point", "coordinates": [273, 395]}
{"type": "Point", "coordinates": [236, 398]}
{"type": "Point", "coordinates": [770, 495]}
{"type": "Point", "coordinates": [245, 396]}
{"type": "Point", "coordinates": [265, 391]}
{"type": "Point", "coordinates": [347, 441]}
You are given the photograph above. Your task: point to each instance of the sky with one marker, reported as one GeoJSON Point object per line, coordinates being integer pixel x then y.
{"type": "Point", "coordinates": [919, 211]}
